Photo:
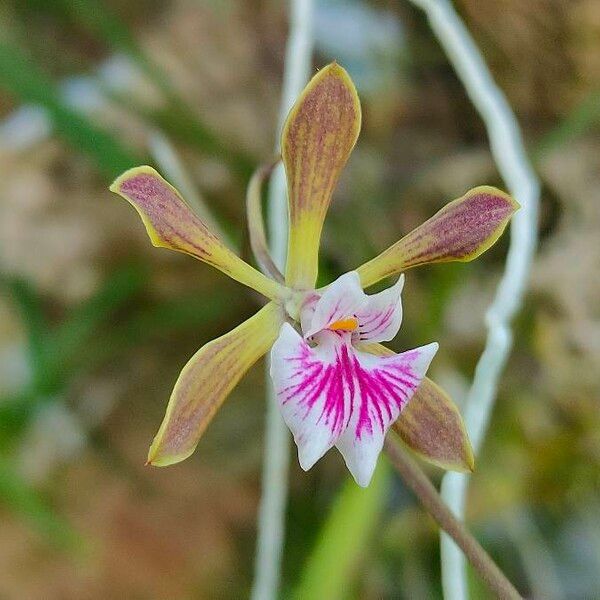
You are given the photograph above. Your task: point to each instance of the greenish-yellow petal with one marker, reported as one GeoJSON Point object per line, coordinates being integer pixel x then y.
{"type": "Point", "coordinates": [205, 382]}
{"type": "Point", "coordinates": [172, 224]}
{"type": "Point", "coordinates": [460, 231]}
{"type": "Point", "coordinates": [317, 140]}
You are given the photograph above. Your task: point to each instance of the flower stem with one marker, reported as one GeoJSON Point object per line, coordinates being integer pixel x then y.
{"type": "Point", "coordinates": [271, 521]}
{"type": "Point", "coordinates": [422, 487]}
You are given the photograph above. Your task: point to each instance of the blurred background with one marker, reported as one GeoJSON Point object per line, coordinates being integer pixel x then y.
{"type": "Point", "coordinates": [95, 323]}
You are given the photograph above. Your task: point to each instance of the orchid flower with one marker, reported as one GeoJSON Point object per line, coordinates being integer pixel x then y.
{"type": "Point", "coordinates": [335, 383]}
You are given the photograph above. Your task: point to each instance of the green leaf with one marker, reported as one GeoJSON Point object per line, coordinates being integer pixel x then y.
{"type": "Point", "coordinates": [71, 337]}
{"type": "Point", "coordinates": [166, 318]}
{"type": "Point", "coordinates": [578, 122]}
{"type": "Point", "coordinates": [330, 571]}
{"type": "Point", "coordinates": [20, 77]}
{"type": "Point", "coordinates": [183, 313]}
{"type": "Point", "coordinates": [19, 497]}
{"type": "Point", "coordinates": [31, 312]}
{"type": "Point", "coordinates": [16, 412]}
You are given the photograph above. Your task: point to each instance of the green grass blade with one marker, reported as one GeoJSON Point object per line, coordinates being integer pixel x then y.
{"type": "Point", "coordinates": [20, 77]}
{"type": "Point", "coordinates": [166, 318]}
{"type": "Point", "coordinates": [96, 17]}
{"type": "Point", "coordinates": [20, 498]}
{"type": "Point", "coordinates": [75, 333]}
{"type": "Point", "coordinates": [16, 412]}
{"type": "Point", "coordinates": [177, 122]}
{"type": "Point", "coordinates": [330, 571]}
{"type": "Point", "coordinates": [579, 121]}
{"type": "Point", "coordinates": [32, 316]}
{"type": "Point", "coordinates": [178, 119]}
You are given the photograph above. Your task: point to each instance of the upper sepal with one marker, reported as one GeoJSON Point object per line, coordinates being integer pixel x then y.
{"type": "Point", "coordinates": [171, 223]}
{"type": "Point", "coordinates": [461, 231]}
{"type": "Point", "coordinates": [317, 139]}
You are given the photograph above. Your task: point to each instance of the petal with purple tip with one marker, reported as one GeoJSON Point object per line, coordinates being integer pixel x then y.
{"type": "Point", "coordinates": [332, 394]}
{"type": "Point", "coordinates": [314, 388]}
{"type": "Point", "coordinates": [461, 231]}
{"type": "Point", "coordinates": [171, 224]}
{"type": "Point", "coordinates": [431, 424]}
{"type": "Point", "coordinates": [316, 141]}
{"type": "Point", "coordinates": [380, 318]}
{"type": "Point", "coordinates": [384, 386]}
{"type": "Point", "coordinates": [205, 382]}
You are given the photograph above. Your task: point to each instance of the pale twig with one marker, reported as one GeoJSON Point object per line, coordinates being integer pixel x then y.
{"type": "Point", "coordinates": [256, 223]}
{"type": "Point", "coordinates": [271, 520]}
{"type": "Point", "coordinates": [425, 491]}
{"type": "Point", "coordinates": [514, 166]}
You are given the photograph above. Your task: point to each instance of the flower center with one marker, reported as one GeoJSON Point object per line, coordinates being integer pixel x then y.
{"type": "Point", "coordinates": [347, 324]}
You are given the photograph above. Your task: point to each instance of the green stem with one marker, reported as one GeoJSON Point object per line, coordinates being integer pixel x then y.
{"type": "Point", "coordinates": [422, 487]}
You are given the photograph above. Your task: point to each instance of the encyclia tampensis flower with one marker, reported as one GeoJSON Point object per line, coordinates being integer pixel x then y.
{"type": "Point", "coordinates": [335, 382]}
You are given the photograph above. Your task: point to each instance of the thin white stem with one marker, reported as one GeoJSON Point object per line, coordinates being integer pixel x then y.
{"type": "Point", "coordinates": [271, 519]}
{"type": "Point", "coordinates": [514, 166]}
